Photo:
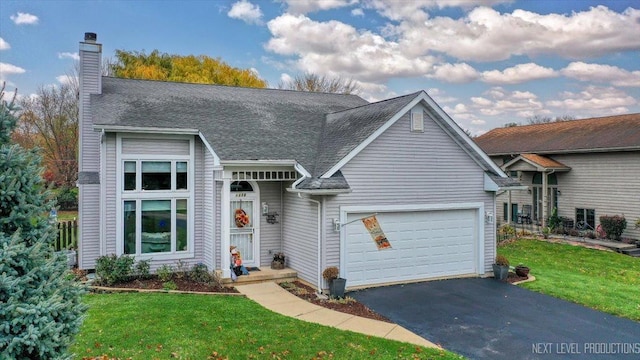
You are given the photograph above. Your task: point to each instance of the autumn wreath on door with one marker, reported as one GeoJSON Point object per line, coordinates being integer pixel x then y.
{"type": "Point", "coordinates": [241, 218]}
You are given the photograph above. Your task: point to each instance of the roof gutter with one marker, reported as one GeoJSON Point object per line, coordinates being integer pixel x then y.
{"type": "Point", "coordinates": [146, 130]}
{"type": "Point", "coordinates": [318, 191]}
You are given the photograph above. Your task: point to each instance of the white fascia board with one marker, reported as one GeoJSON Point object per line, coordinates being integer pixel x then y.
{"type": "Point", "coordinates": [489, 184]}
{"type": "Point", "coordinates": [371, 138]}
{"type": "Point", "coordinates": [147, 130]}
{"type": "Point", "coordinates": [216, 158]}
{"type": "Point", "coordinates": [319, 191]}
{"type": "Point", "coordinates": [452, 124]}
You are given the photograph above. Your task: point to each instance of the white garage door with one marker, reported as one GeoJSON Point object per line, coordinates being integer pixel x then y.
{"type": "Point", "coordinates": [424, 244]}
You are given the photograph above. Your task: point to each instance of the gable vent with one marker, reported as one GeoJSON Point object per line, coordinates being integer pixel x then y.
{"type": "Point", "coordinates": [417, 121]}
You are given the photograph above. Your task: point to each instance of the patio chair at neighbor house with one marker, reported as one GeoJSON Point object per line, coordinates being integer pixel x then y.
{"type": "Point", "coordinates": [524, 217]}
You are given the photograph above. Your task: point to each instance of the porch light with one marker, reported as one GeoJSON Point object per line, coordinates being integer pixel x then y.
{"type": "Point", "coordinates": [529, 190]}
{"type": "Point", "coordinates": [558, 192]}
{"type": "Point", "coordinates": [265, 208]}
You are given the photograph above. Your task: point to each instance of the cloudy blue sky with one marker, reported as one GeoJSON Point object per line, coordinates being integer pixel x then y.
{"type": "Point", "coordinates": [486, 62]}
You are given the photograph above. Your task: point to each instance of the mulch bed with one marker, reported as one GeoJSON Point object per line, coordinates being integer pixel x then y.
{"type": "Point", "coordinates": [348, 305]}
{"type": "Point", "coordinates": [182, 284]}
{"type": "Point", "coordinates": [513, 277]}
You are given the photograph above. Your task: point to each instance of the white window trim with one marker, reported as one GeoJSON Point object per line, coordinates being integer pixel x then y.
{"type": "Point", "coordinates": [139, 195]}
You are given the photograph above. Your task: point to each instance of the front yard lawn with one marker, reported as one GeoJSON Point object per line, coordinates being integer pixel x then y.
{"type": "Point", "coordinates": [602, 280]}
{"type": "Point", "coordinates": [184, 326]}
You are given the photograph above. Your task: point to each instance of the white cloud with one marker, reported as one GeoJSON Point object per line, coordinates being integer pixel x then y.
{"type": "Point", "coordinates": [336, 48]}
{"type": "Point", "coordinates": [9, 69]}
{"type": "Point", "coordinates": [498, 101]}
{"type": "Point", "coordinates": [357, 12]}
{"type": "Point", "coordinates": [518, 74]}
{"type": "Point", "coordinates": [4, 45]}
{"type": "Point", "coordinates": [602, 73]}
{"type": "Point", "coordinates": [68, 55]}
{"type": "Point", "coordinates": [484, 34]}
{"type": "Point", "coordinates": [441, 97]}
{"type": "Point", "coordinates": [285, 78]}
{"type": "Point", "coordinates": [594, 100]}
{"type": "Point", "coordinates": [454, 73]}
{"type": "Point", "coordinates": [67, 79]}
{"type": "Point", "coordinates": [306, 6]}
{"type": "Point", "coordinates": [24, 19]}
{"type": "Point", "coordinates": [246, 11]}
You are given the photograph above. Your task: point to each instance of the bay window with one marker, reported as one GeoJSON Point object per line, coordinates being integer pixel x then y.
{"type": "Point", "coordinates": [155, 197]}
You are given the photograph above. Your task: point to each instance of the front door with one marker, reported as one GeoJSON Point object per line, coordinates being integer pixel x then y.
{"type": "Point", "coordinates": [244, 215]}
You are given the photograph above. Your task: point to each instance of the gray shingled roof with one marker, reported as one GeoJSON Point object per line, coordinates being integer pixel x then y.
{"type": "Point", "coordinates": [335, 182]}
{"type": "Point", "coordinates": [239, 123]}
{"type": "Point", "coordinates": [315, 129]}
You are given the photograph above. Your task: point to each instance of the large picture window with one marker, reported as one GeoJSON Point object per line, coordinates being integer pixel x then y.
{"type": "Point", "coordinates": [155, 206]}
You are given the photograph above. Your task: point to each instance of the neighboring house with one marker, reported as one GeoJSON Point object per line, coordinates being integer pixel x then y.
{"type": "Point", "coordinates": [584, 168]}
{"type": "Point", "coordinates": [175, 171]}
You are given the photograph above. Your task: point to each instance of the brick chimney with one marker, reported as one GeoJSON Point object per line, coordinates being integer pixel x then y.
{"type": "Point", "coordinates": [90, 80]}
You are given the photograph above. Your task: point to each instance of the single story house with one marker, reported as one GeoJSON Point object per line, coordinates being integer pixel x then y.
{"type": "Point", "coordinates": [585, 168]}
{"type": "Point", "coordinates": [175, 171]}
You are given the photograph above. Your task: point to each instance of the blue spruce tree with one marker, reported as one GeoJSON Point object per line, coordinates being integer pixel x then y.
{"type": "Point", "coordinates": [40, 301]}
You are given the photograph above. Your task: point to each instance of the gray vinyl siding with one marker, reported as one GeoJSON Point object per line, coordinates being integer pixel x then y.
{"type": "Point", "coordinates": [209, 199]}
{"type": "Point", "coordinates": [300, 236]}
{"type": "Point", "coordinates": [88, 161]}
{"type": "Point", "coordinates": [402, 167]}
{"type": "Point", "coordinates": [218, 222]}
{"type": "Point", "coordinates": [270, 234]}
{"type": "Point", "coordinates": [609, 183]}
{"type": "Point", "coordinates": [110, 195]}
{"type": "Point", "coordinates": [606, 182]}
{"type": "Point", "coordinates": [88, 220]}
{"type": "Point", "coordinates": [153, 146]}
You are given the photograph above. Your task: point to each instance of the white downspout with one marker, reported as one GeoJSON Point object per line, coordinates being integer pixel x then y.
{"type": "Point", "coordinates": [319, 240]}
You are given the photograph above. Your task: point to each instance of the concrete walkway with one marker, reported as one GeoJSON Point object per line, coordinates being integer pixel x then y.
{"type": "Point", "coordinates": [275, 298]}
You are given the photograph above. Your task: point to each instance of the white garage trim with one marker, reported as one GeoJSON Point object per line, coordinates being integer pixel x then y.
{"type": "Point", "coordinates": [478, 230]}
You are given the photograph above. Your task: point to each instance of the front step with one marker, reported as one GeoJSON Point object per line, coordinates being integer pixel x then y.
{"type": "Point", "coordinates": [635, 252]}
{"type": "Point", "coordinates": [266, 274]}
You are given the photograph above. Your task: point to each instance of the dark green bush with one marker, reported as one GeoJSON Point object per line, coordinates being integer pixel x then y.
{"type": "Point", "coordinates": [67, 198]}
{"type": "Point", "coordinates": [613, 225]}
{"type": "Point", "coordinates": [165, 272]}
{"type": "Point", "coordinates": [199, 273]}
{"type": "Point", "coordinates": [554, 221]}
{"type": "Point", "coordinates": [111, 269]}
{"type": "Point", "coordinates": [142, 269]}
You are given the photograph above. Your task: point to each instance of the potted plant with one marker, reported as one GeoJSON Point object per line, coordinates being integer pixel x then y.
{"type": "Point", "coordinates": [278, 261]}
{"type": "Point", "coordinates": [546, 231]}
{"type": "Point", "coordinates": [501, 268]}
{"type": "Point", "coordinates": [336, 283]}
{"type": "Point", "coordinates": [522, 270]}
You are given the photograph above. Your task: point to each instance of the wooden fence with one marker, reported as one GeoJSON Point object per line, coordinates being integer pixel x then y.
{"type": "Point", "coordinates": [67, 235]}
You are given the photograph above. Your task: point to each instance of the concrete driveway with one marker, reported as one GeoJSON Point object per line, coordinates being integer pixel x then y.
{"type": "Point", "coordinates": [487, 319]}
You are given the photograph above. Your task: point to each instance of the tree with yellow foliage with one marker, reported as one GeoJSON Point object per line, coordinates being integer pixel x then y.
{"type": "Point", "coordinates": [200, 69]}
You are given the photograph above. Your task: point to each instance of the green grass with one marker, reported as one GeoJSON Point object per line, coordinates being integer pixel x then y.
{"type": "Point", "coordinates": [67, 215]}
{"type": "Point", "coordinates": [163, 326]}
{"type": "Point", "coordinates": [602, 280]}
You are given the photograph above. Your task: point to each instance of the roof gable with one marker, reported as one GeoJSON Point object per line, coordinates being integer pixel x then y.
{"type": "Point", "coordinates": [620, 132]}
{"type": "Point", "coordinates": [237, 123]}
{"type": "Point", "coordinates": [536, 162]}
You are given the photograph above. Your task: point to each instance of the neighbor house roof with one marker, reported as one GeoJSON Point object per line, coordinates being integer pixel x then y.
{"type": "Point", "coordinates": [542, 163]}
{"type": "Point", "coordinates": [609, 133]}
